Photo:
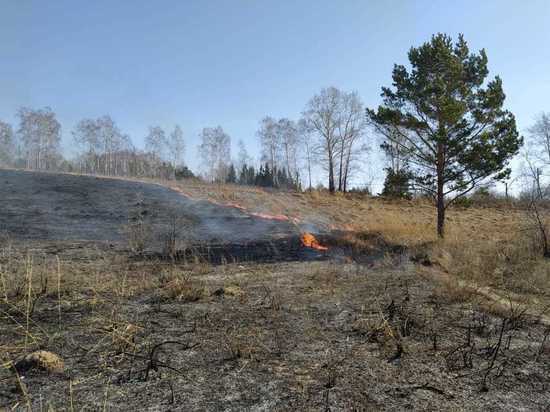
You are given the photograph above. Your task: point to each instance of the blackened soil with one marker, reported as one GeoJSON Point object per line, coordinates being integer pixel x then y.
{"type": "Point", "coordinates": [63, 207]}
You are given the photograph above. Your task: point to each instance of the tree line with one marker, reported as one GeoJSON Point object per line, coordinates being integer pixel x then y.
{"type": "Point", "coordinates": [330, 132]}
{"type": "Point", "coordinates": [102, 147]}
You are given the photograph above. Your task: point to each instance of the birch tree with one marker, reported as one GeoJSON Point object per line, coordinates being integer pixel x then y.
{"type": "Point", "coordinates": [351, 127]}
{"type": "Point", "coordinates": [243, 158]}
{"type": "Point", "coordinates": [7, 144]}
{"type": "Point", "coordinates": [176, 144]}
{"type": "Point", "coordinates": [104, 148]}
{"type": "Point", "coordinates": [86, 136]}
{"type": "Point", "coordinates": [155, 144]}
{"type": "Point", "coordinates": [337, 118]}
{"type": "Point", "coordinates": [111, 141]}
{"type": "Point", "coordinates": [321, 113]}
{"type": "Point", "coordinates": [40, 133]}
{"type": "Point", "coordinates": [288, 138]}
{"type": "Point", "coordinates": [270, 140]}
{"type": "Point", "coordinates": [305, 136]}
{"type": "Point", "coordinates": [539, 138]}
{"type": "Point", "coordinates": [215, 153]}
{"type": "Point", "coordinates": [536, 155]}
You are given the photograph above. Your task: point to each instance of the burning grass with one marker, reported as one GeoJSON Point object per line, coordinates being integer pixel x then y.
{"type": "Point", "coordinates": [309, 240]}
{"type": "Point", "coordinates": [401, 222]}
{"type": "Point", "coordinates": [491, 246]}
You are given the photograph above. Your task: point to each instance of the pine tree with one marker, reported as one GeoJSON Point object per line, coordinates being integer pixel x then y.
{"type": "Point", "coordinates": [450, 122]}
{"type": "Point", "coordinates": [231, 175]}
{"type": "Point", "coordinates": [268, 180]}
{"type": "Point", "coordinates": [260, 177]}
{"type": "Point", "coordinates": [251, 176]}
{"type": "Point", "coordinates": [397, 184]}
{"type": "Point", "coordinates": [243, 175]}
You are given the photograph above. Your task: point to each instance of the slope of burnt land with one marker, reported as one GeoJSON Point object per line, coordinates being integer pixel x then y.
{"type": "Point", "coordinates": [62, 207]}
{"type": "Point", "coordinates": [67, 215]}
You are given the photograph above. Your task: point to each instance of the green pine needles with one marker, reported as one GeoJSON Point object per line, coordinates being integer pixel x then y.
{"type": "Point", "coordinates": [448, 121]}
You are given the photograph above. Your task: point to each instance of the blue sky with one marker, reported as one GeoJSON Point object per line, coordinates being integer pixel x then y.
{"type": "Point", "coordinates": [204, 63]}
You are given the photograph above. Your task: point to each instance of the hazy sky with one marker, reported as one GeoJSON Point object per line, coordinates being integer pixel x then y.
{"type": "Point", "coordinates": [204, 63]}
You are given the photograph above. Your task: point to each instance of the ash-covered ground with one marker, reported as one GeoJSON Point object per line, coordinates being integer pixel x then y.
{"type": "Point", "coordinates": [63, 207]}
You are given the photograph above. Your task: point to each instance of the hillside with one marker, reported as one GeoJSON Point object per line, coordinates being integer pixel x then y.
{"type": "Point", "coordinates": [427, 324]}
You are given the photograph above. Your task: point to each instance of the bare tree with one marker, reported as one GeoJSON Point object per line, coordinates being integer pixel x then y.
{"type": "Point", "coordinates": [305, 136]}
{"type": "Point", "coordinates": [7, 144]}
{"type": "Point", "coordinates": [155, 144]}
{"type": "Point", "coordinates": [279, 140]}
{"type": "Point", "coordinates": [289, 139]}
{"type": "Point", "coordinates": [338, 120]}
{"type": "Point", "coordinates": [351, 128]}
{"type": "Point", "coordinates": [114, 143]}
{"type": "Point", "coordinates": [270, 140]}
{"type": "Point", "coordinates": [86, 136]}
{"type": "Point", "coordinates": [536, 157]}
{"type": "Point", "coordinates": [539, 138]}
{"type": "Point", "coordinates": [537, 196]}
{"type": "Point", "coordinates": [109, 137]}
{"type": "Point", "coordinates": [322, 114]}
{"type": "Point", "coordinates": [40, 134]}
{"type": "Point", "coordinates": [242, 156]}
{"type": "Point", "coordinates": [125, 155]}
{"type": "Point", "coordinates": [215, 153]}
{"type": "Point", "coordinates": [177, 147]}
{"type": "Point", "coordinates": [104, 148]}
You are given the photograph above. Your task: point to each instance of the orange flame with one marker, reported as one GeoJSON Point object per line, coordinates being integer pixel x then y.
{"type": "Point", "coordinates": [309, 240]}
{"type": "Point", "coordinates": [235, 205]}
{"type": "Point", "coordinates": [270, 217]}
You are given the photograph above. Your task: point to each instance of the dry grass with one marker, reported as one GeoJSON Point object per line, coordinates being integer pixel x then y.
{"type": "Point", "coordinates": [403, 222]}
{"type": "Point", "coordinates": [490, 245]}
{"type": "Point", "coordinates": [298, 330]}
{"type": "Point", "coordinates": [182, 287]}
{"type": "Point", "coordinates": [298, 333]}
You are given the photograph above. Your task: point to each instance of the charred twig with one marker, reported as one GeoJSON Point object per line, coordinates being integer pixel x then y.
{"type": "Point", "coordinates": [154, 363]}
{"type": "Point", "coordinates": [172, 395]}
{"type": "Point", "coordinates": [398, 352]}
{"type": "Point", "coordinates": [465, 350]}
{"type": "Point", "coordinates": [326, 396]}
{"type": "Point", "coordinates": [496, 350]}
{"type": "Point", "coordinates": [541, 348]}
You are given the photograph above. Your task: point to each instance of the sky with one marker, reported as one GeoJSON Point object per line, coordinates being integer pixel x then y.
{"type": "Point", "coordinates": [230, 63]}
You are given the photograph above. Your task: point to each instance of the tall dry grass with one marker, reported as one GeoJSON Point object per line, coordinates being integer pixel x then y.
{"type": "Point", "coordinates": [489, 245]}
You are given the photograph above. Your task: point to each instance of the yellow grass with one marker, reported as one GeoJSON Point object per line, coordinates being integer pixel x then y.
{"type": "Point", "coordinates": [487, 246]}
{"type": "Point", "coordinates": [404, 222]}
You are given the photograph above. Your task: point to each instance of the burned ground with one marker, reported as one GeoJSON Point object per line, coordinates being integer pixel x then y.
{"type": "Point", "coordinates": [63, 207]}
{"type": "Point", "coordinates": [287, 336]}
{"type": "Point", "coordinates": [167, 334]}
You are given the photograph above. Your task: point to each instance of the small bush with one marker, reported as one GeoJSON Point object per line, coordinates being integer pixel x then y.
{"type": "Point", "coordinates": [138, 230]}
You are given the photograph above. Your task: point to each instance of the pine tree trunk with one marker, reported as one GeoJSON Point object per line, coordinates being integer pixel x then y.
{"type": "Point", "coordinates": [440, 215]}
{"type": "Point", "coordinates": [440, 201]}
